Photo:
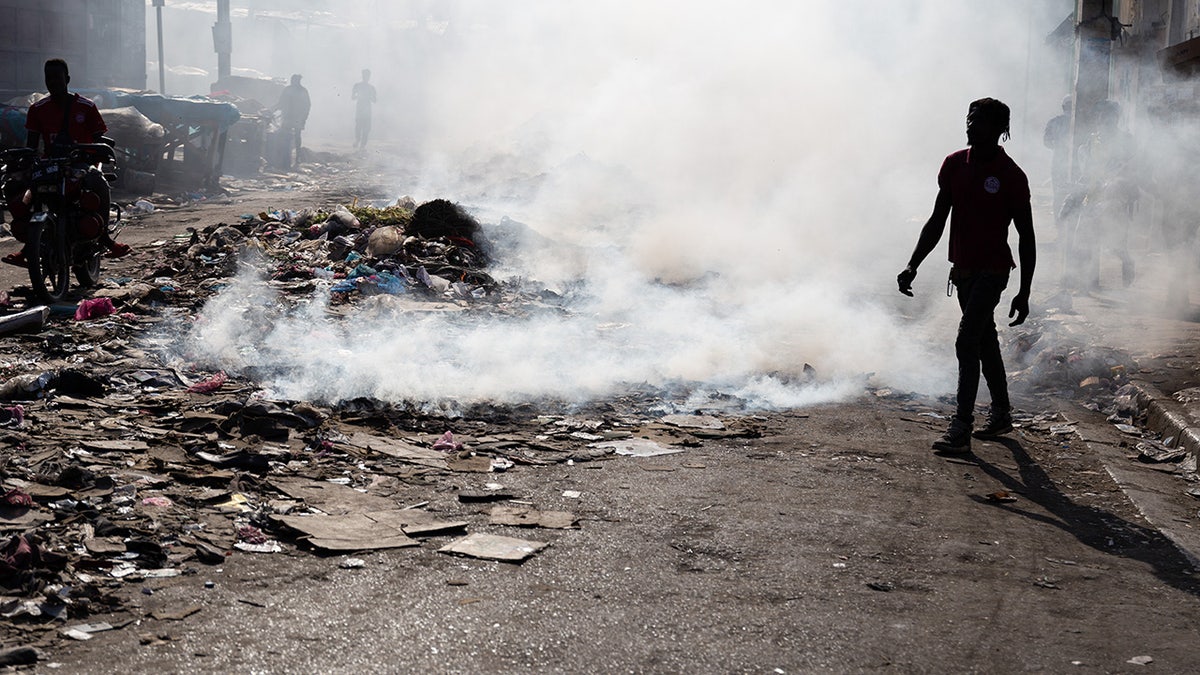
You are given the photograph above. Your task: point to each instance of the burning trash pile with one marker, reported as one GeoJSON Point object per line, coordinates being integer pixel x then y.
{"type": "Point", "coordinates": [432, 250]}
{"type": "Point", "coordinates": [435, 249]}
{"type": "Point", "coordinates": [126, 468]}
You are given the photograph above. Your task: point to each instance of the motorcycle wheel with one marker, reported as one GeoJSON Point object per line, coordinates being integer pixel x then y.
{"type": "Point", "coordinates": [49, 273]}
{"type": "Point", "coordinates": [88, 271]}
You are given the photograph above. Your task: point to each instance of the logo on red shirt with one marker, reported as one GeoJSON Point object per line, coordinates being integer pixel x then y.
{"type": "Point", "coordinates": [992, 185]}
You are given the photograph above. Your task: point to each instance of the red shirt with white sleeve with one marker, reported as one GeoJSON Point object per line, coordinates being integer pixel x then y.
{"type": "Point", "coordinates": [84, 122]}
{"type": "Point", "coordinates": [984, 197]}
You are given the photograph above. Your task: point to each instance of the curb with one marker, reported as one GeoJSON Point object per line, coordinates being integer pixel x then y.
{"type": "Point", "coordinates": [1168, 417]}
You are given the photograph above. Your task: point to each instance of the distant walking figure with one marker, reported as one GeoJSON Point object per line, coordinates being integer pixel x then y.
{"type": "Point", "coordinates": [1057, 137]}
{"type": "Point", "coordinates": [293, 108]}
{"type": "Point", "coordinates": [364, 94]}
{"type": "Point", "coordinates": [981, 190]}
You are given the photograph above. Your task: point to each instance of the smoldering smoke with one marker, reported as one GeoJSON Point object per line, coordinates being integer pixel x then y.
{"type": "Point", "coordinates": [755, 175]}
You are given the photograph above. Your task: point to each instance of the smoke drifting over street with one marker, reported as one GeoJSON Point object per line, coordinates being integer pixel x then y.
{"type": "Point", "coordinates": [726, 190]}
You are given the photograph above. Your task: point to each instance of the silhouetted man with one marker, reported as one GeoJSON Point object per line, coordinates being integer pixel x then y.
{"type": "Point", "coordinates": [1057, 137]}
{"type": "Point", "coordinates": [364, 94]}
{"type": "Point", "coordinates": [59, 121]}
{"type": "Point", "coordinates": [294, 105]}
{"type": "Point", "coordinates": [981, 190]}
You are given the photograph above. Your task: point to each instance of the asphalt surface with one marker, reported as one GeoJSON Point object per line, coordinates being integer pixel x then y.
{"type": "Point", "coordinates": [834, 542]}
{"type": "Point", "coordinates": [812, 548]}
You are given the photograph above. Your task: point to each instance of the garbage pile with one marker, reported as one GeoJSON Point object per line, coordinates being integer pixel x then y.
{"type": "Point", "coordinates": [121, 472]}
{"type": "Point", "coordinates": [1046, 356]}
{"type": "Point", "coordinates": [435, 250]}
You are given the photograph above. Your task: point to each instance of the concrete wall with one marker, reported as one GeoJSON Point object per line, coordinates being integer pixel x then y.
{"type": "Point", "coordinates": [104, 41]}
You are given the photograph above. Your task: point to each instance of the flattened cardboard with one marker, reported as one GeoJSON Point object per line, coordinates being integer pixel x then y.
{"type": "Point", "coordinates": [493, 547]}
{"type": "Point", "coordinates": [350, 532]}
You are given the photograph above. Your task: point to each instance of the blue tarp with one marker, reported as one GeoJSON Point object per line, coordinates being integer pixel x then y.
{"type": "Point", "coordinates": [165, 110]}
{"type": "Point", "coordinates": [194, 111]}
{"type": "Point", "coordinates": [12, 125]}
{"type": "Point", "coordinates": [168, 110]}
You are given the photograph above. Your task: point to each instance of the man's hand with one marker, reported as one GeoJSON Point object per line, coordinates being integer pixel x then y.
{"type": "Point", "coordinates": [905, 279]}
{"type": "Point", "coordinates": [1020, 309]}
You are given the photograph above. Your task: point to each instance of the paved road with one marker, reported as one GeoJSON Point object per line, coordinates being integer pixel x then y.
{"type": "Point", "coordinates": [825, 544]}
{"type": "Point", "coordinates": [834, 542]}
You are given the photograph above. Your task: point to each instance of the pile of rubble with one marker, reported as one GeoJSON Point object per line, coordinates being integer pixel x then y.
{"type": "Point", "coordinates": [120, 466]}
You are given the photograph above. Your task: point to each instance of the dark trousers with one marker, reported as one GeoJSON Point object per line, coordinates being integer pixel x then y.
{"type": "Point", "coordinates": [977, 345]}
{"type": "Point", "coordinates": [362, 129]}
{"type": "Point", "coordinates": [292, 136]}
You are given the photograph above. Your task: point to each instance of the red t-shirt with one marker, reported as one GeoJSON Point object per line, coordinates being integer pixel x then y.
{"type": "Point", "coordinates": [84, 122]}
{"type": "Point", "coordinates": [984, 197]}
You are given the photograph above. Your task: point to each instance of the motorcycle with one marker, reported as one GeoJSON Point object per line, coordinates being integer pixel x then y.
{"type": "Point", "coordinates": [65, 228]}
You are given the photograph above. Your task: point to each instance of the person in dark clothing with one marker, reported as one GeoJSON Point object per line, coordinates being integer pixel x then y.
{"type": "Point", "coordinates": [1109, 186]}
{"type": "Point", "coordinates": [294, 106]}
{"type": "Point", "coordinates": [62, 119]}
{"type": "Point", "coordinates": [364, 96]}
{"type": "Point", "coordinates": [1057, 137]}
{"type": "Point", "coordinates": [981, 190]}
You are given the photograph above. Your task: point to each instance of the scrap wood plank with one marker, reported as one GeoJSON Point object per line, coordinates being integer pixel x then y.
{"type": "Point", "coordinates": [331, 498]}
{"type": "Point", "coordinates": [114, 444]}
{"type": "Point", "coordinates": [399, 449]}
{"type": "Point", "coordinates": [349, 532]}
{"type": "Point", "coordinates": [414, 522]}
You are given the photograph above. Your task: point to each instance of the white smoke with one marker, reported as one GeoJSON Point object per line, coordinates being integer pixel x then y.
{"type": "Point", "coordinates": [735, 184]}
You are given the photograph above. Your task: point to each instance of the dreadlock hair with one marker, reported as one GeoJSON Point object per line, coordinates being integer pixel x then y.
{"type": "Point", "coordinates": [993, 109]}
{"type": "Point", "coordinates": [57, 63]}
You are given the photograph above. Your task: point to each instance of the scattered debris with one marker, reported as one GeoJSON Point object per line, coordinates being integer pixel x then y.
{"type": "Point", "coordinates": [84, 631]}
{"type": "Point", "coordinates": [637, 447]}
{"type": "Point", "coordinates": [93, 308]}
{"type": "Point", "coordinates": [19, 656]}
{"type": "Point", "coordinates": [1153, 452]}
{"type": "Point", "coordinates": [493, 547]}
{"type": "Point", "coordinates": [693, 421]}
{"type": "Point", "coordinates": [349, 532]}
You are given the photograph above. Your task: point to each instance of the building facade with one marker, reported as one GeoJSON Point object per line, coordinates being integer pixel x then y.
{"type": "Point", "coordinates": [104, 41]}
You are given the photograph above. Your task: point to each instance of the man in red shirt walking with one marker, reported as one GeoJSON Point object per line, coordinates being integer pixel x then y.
{"type": "Point", "coordinates": [981, 190]}
{"type": "Point", "coordinates": [61, 119]}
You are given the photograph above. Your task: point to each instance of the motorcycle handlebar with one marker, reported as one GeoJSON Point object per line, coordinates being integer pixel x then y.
{"type": "Point", "coordinates": [15, 153]}
{"type": "Point", "coordinates": [21, 158]}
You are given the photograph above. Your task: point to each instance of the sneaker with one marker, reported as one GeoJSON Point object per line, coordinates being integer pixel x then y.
{"type": "Point", "coordinates": [956, 440]}
{"type": "Point", "coordinates": [17, 259]}
{"type": "Point", "coordinates": [999, 422]}
{"type": "Point", "coordinates": [118, 251]}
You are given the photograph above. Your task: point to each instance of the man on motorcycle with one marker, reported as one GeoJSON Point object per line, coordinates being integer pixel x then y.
{"type": "Point", "coordinates": [61, 119]}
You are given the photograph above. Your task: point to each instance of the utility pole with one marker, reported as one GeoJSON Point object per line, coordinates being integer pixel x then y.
{"type": "Point", "coordinates": [223, 40]}
{"type": "Point", "coordinates": [162, 68]}
{"type": "Point", "coordinates": [1093, 46]}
